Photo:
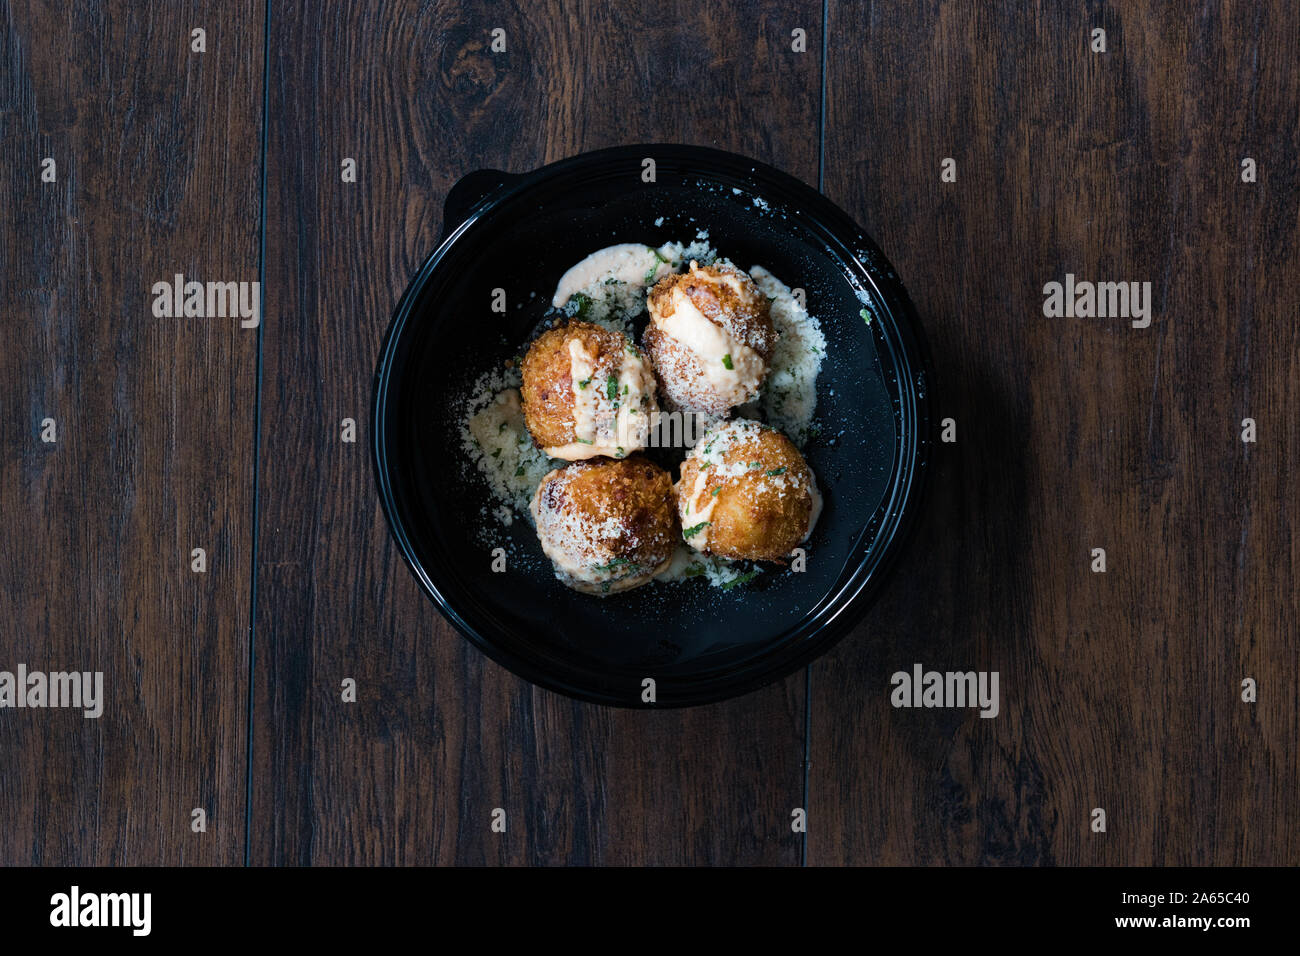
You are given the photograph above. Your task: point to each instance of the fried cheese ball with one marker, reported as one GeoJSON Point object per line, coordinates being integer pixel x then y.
{"type": "Point", "coordinates": [710, 336]}
{"type": "Point", "coordinates": [607, 525]}
{"type": "Point", "coordinates": [746, 492]}
{"type": "Point", "coordinates": [587, 391]}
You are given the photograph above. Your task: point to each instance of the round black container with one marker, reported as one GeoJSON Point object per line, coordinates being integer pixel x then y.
{"type": "Point", "coordinates": [698, 643]}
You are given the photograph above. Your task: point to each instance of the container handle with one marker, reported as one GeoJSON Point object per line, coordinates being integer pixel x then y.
{"type": "Point", "coordinates": [468, 193]}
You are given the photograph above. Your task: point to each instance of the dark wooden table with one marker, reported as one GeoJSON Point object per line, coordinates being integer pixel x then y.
{"type": "Point", "coordinates": [1120, 691]}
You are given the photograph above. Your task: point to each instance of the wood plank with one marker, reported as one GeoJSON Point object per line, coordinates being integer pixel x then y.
{"type": "Point", "coordinates": [1119, 690]}
{"type": "Point", "coordinates": [440, 736]}
{"type": "Point", "coordinates": [157, 152]}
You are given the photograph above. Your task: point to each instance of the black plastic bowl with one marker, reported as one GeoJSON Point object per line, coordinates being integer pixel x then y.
{"type": "Point", "coordinates": [699, 644]}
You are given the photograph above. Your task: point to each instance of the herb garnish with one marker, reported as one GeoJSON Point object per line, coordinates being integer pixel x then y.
{"type": "Point", "coordinates": [689, 532]}
{"type": "Point", "coordinates": [726, 362]}
{"type": "Point", "coordinates": [650, 274]}
{"type": "Point", "coordinates": [614, 563]}
{"type": "Point", "coordinates": [740, 579]}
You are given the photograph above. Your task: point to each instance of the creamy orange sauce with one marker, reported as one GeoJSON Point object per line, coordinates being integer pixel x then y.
{"type": "Point", "coordinates": [731, 367]}
{"type": "Point", "coordinates": [699, 510]}
{"type": "Point", "coordinates": [612, 427]}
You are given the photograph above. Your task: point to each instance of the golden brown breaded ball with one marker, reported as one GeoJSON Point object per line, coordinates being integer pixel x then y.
{"type": "Point", "coordinates": [710, 336]}
{"type": "Point", "coordinates": [607, 525]}
{"type": "Point", "coordinates": [587, 391]}
{"type": "Point", "coordinates": [746, 492]}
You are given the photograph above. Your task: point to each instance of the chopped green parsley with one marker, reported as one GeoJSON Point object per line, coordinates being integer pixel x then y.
{"type": "Point", "coordinates": [740, 579]}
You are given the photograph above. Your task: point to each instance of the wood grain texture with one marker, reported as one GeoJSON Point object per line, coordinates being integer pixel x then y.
{"type": "Point", "coordinates": [1120, 690]}
{"type": "Point", "coordinates": [440, 735]}
{"type": "Point", "coordinates": [157, 151]}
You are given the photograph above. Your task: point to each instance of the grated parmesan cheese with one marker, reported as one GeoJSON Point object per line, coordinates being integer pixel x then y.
{"type": "Point", "coordinates": [788, 400]}
{"type": "Point", "coordinates": [496, 442]}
